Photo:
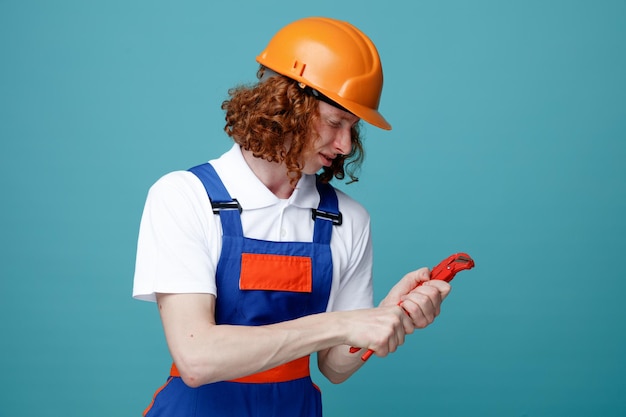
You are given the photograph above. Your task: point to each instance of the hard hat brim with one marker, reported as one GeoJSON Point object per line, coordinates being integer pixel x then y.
{"type": "Point", "coordinates": [367, 114]}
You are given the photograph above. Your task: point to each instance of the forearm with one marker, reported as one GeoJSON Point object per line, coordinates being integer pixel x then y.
{"type": "Point", "coordinates": [205, 352]}
{"type": "Point", "coordinates": [223, 352]}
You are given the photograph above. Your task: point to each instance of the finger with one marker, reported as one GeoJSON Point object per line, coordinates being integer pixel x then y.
{"type": "Point", "coordinates": [395, 342]}
{"type": "Point", "coordinates": [407, 321]}
{"type": "Point", "coordinates": [420, 316]}
{"type": "Point", "coordinates": [443, 287]}
{"type": "Point", "coordinates": [423, 305]}
{"type": "Point", "coordinates": [399, 336]}
{"type": "Point", "coordinates": [399, 325]}
{"type": "Point", "coordinates": [434, 299]}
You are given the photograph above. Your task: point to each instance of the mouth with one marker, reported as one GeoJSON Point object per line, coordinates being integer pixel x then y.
{"type": "Point", "coordinates": [327, 159]}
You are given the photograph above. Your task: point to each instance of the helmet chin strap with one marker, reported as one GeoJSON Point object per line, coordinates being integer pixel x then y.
{"type": "Point", "coordinates": [313, 92]}
{"type": "Point", "coordinates": [265, 73]}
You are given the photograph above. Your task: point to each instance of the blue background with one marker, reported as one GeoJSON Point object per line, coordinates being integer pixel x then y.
{"type": "Point", "coordinates": [508, 143]}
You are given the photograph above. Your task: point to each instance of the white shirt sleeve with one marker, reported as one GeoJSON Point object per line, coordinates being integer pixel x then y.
{"type": "Point", "coordinates": [173, 250]}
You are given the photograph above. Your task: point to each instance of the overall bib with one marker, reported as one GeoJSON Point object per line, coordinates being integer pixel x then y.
{"type": "Point", "coordinates": [259, 283]}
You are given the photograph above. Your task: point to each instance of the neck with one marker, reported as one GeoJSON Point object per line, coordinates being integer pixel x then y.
{"type": "Point", "coordinates": [272, 174]}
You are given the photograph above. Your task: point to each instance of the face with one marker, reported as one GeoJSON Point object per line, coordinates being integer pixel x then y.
{"type": "Point", "coordinates": [334, 138]}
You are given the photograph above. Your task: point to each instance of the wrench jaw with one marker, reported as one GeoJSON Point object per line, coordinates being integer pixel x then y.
{"type": "Point", "coordinates": [448, 268]}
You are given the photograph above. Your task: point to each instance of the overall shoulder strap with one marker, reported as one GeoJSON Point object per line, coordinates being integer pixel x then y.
{"type": "Point", "coordinates": [327, 213]}
{"type": "Point", "coordinates": [223, 204]}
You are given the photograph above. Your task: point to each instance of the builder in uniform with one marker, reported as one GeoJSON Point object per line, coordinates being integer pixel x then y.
{"type": "Point", "coordinates": [255, 261]}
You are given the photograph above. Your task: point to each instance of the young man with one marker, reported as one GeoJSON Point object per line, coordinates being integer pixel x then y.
{"type": "Point", "coordinates": [255, 261]}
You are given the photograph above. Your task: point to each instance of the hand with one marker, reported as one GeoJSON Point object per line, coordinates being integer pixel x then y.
{"type": "Point", "coordinates": [420, 297]}
{"type": "Point", "coordinates": [380, 329]}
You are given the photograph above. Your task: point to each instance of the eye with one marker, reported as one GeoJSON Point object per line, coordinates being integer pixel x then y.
{"type": "Point", "coordinates": [333, 123]}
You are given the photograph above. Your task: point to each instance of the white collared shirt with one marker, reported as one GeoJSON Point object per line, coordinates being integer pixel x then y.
{"type": "Point", "coordinates": [180, 242]}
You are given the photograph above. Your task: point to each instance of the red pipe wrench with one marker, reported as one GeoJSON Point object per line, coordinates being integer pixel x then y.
{"type": "Point", "coordinates": [444, 271]}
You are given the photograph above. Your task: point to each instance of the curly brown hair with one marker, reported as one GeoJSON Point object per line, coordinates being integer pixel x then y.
{"type": "Point", "coordinates": [262, 116]}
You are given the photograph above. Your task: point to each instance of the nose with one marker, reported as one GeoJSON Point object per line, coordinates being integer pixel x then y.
{"type": "Point", "coordinates": [343, 141]}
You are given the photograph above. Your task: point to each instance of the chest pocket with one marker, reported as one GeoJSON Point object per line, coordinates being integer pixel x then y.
{"type": "Point", "coordinates": [276, 273]}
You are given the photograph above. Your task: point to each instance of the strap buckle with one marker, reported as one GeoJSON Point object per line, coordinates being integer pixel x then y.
{"type": "Point", "coordinates": [225, 205]}
{"type": "Point", "coordinates": [336, 219]}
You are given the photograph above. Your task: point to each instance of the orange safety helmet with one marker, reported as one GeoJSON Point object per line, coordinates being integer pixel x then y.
{"type": "Point", "coordinates": [334, 58]}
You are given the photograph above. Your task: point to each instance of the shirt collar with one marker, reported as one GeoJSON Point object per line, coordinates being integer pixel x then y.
{"type": "Point", "coordinates": [243, 185]}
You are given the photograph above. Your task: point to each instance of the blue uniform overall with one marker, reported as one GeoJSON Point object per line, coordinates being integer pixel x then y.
{"type": "Point", "coordinates": [259, 283]}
